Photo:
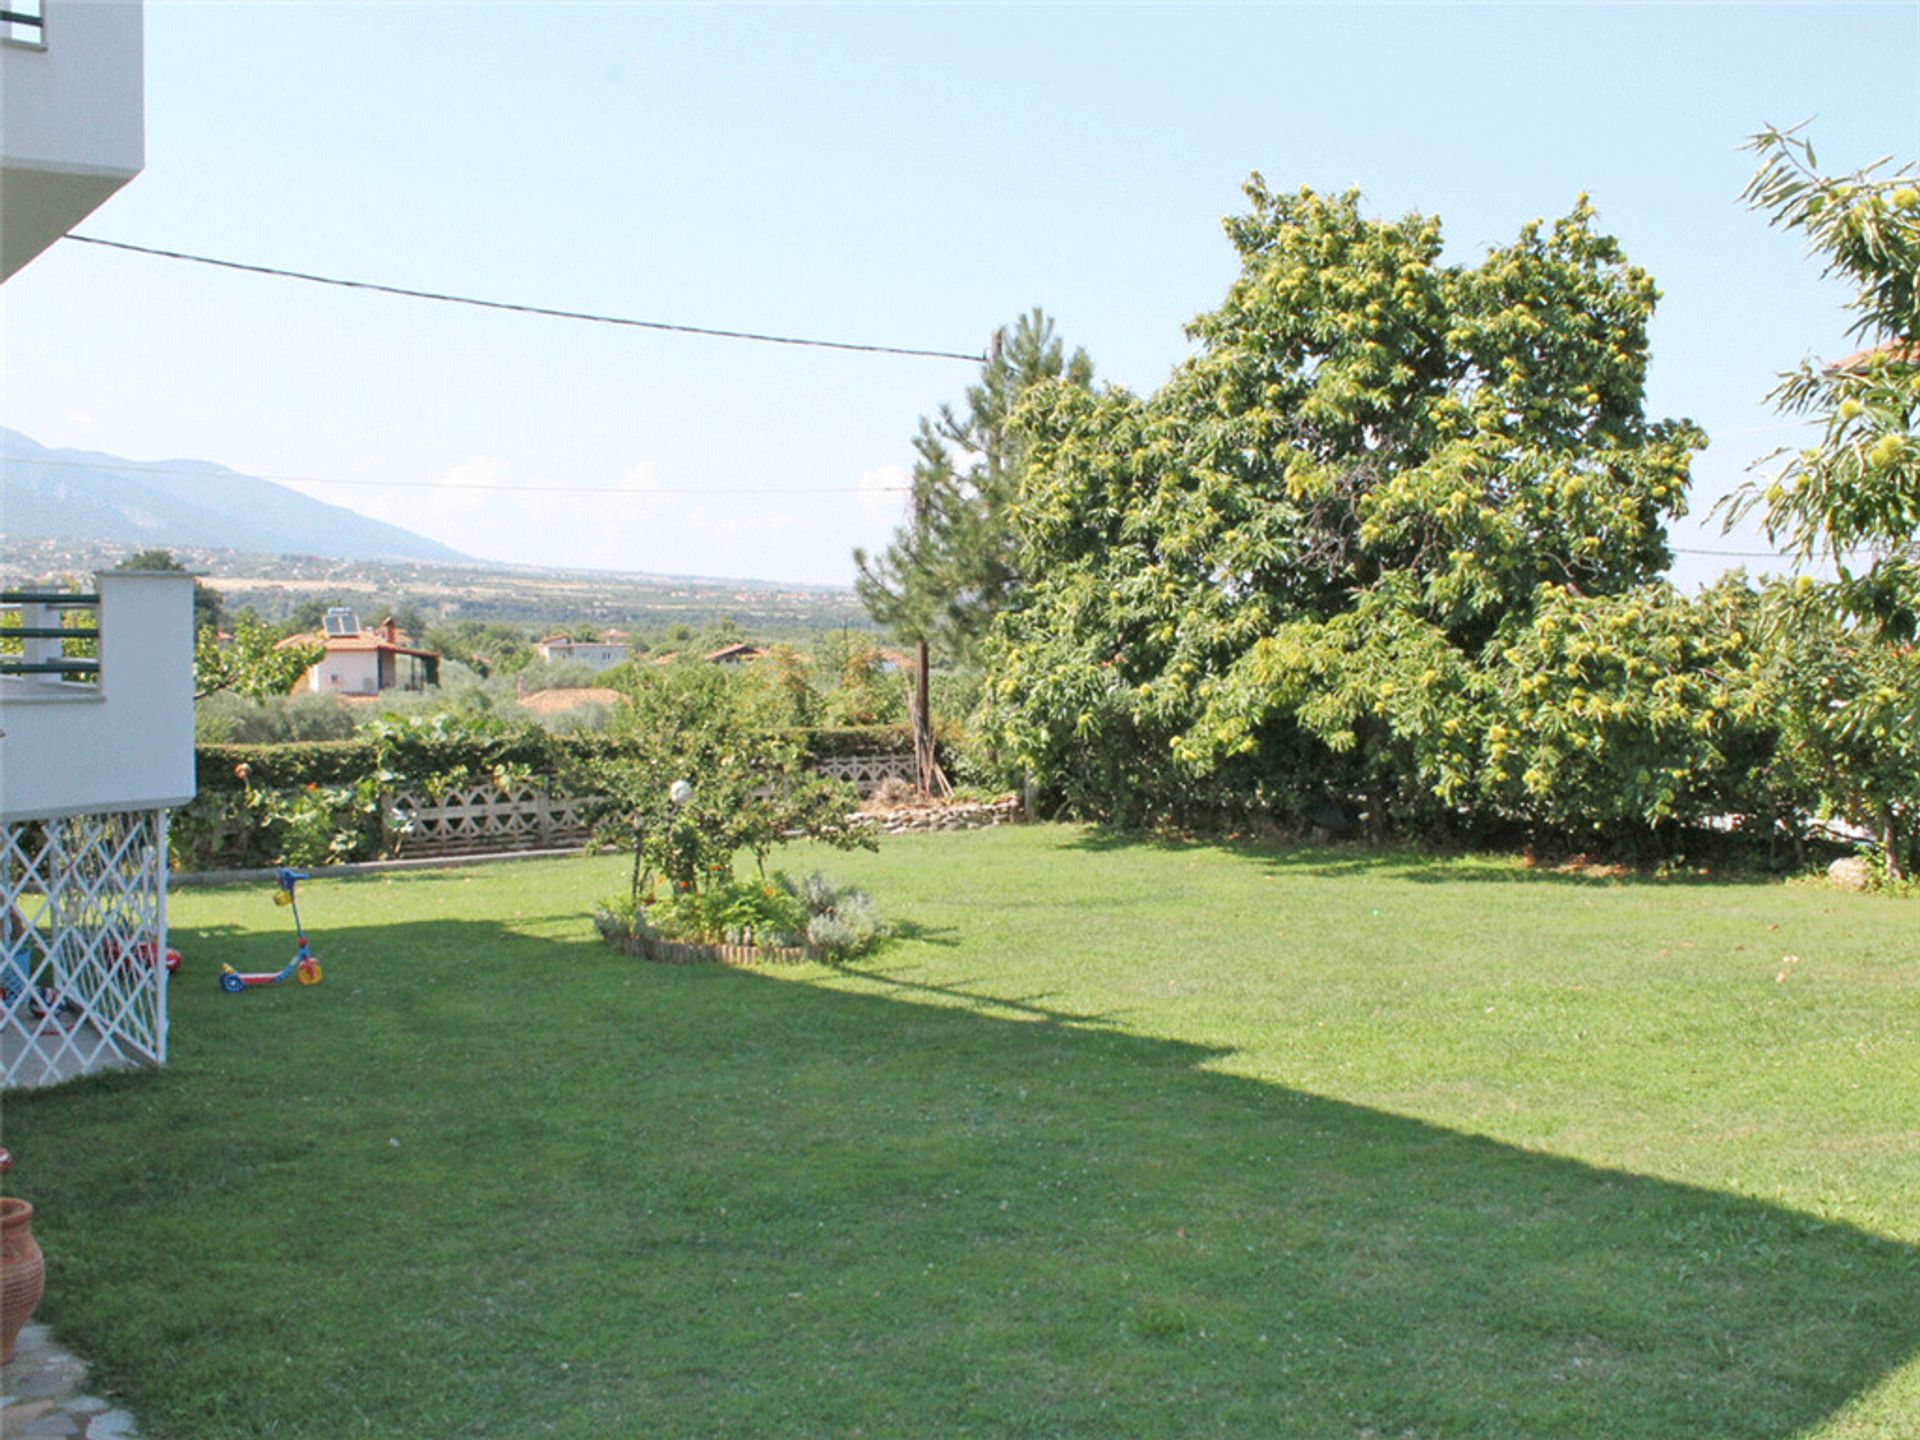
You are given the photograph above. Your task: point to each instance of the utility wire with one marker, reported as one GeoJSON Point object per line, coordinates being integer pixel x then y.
{"type": "Point", "coordinates": [1756, 554]}
{"type": "Point", "coordinates": [136, 468]}
{"type": "Point", "coordinates": [1731, 554]}
{"type": "Point", "coordinates": [446, 299]}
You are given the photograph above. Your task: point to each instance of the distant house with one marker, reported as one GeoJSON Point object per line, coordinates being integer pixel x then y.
{"type": "Point", "coordinates": [598, 654]}
{"type": "Point", "coordinates": [365, 662]}
{"type": "Point", "coordinates": [735, 654]}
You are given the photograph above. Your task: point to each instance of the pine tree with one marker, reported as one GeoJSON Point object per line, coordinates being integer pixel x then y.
{"type": "Point", "coordinates": [954, 561]}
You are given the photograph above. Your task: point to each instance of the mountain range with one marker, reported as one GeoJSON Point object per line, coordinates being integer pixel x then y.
{"type": "Point", "coordinates": [85, 495]}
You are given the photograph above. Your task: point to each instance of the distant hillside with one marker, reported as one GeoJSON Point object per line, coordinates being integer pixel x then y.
{"type": "Point", "coordinates": [650, 605]}
{"type": "Point", "coordinates": [78, 494]}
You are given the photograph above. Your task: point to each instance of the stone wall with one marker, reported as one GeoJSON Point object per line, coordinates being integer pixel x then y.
{"type": "Point", "coordinates": [912, 818]}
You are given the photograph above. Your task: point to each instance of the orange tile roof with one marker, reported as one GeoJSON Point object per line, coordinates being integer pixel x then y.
{"type": "Point", "coordinates": [1895, 350]}
{"type": "Point", "coordinates": [365, 640]}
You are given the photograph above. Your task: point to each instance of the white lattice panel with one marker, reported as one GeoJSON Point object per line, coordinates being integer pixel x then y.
{"type": "Point", "coordinates": [866, 773]}
{"type": "Point", "coordinates": [485, 818]}
{"type": "Point", "coordinates": [83, 938]}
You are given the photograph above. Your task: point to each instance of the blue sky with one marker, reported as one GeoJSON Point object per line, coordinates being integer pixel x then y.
{"type": "Point", "coordinates": [909, 176]}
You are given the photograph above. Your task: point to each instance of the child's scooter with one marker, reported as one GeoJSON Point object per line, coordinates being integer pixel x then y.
{"type": "Point", "coordinates": [302, 967]}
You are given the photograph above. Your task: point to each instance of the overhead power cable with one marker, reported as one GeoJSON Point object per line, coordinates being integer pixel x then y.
{"type": "Point", "coordinates": [1754, 554]}
{"type": "Point", "coordinates": [136, 468]}
{"type": "Point", "coordinates": [551, 313]}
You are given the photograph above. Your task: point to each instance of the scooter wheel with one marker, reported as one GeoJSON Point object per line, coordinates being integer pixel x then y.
{"type": "Point", "coordinates": [309, 973]}
{"type": "Point", "coordinates": [232, 983]}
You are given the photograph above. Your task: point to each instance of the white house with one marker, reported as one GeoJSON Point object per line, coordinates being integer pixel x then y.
{"type": "Point", "coordinates": [598, 654]}
{"type": "Point", "coordinates": [96, 688]}
{"type": "Point", "coordinates": [72, 116]}
{"type": "Point", "coordinates": [365, 662]}
{"type": "Point", "coordinates": [95, 748]}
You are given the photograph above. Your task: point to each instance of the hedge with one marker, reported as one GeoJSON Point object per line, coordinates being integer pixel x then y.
{"type": "Point", "coordinates": [257, 802]}
{"type": "Point", "coordinates": [828, 743]}
{"type": "Point", "coordinates": [344, 762]}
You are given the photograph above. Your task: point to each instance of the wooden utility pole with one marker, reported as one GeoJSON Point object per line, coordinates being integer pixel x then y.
{"type": "Point", "coordinates": [923, 761]}
{"type": "Point", "coordinates": [926, 766]}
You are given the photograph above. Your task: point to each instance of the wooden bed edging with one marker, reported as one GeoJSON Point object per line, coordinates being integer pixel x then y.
{"type": "Point", "coordinates": [686, 952]}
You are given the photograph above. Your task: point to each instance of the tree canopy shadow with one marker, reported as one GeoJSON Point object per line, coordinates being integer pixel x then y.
{"type": "Point", "coordinates": [1335, 860]}
{"type": "Point", "coordinates": [743, 1201]}
{"type": "Point", "coordinates": [945, 936]}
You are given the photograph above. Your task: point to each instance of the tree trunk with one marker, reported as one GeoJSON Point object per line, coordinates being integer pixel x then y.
{"type": "Point", "coordinates": [1890, 845]}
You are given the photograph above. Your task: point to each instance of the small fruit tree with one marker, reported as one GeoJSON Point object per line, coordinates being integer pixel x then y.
{"type": "Point", "coordinates": [692, 778]}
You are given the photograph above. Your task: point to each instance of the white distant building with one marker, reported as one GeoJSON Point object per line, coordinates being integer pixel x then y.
{"type": "Point", "coordinates": [365, 662]}
{"type": "Point", "coordinates": [72, 116]}
{"type": "Point", "coordinates": [599, 654]}
{"type": "Point", "coordinates": [96, 745]}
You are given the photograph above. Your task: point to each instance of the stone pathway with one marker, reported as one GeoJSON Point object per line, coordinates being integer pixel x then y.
{"type": "Point", "coordinates": [43, 1396]}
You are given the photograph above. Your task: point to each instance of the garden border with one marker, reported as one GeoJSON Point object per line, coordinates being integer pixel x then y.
{"type": "Point", "coordinates": [688, 952]}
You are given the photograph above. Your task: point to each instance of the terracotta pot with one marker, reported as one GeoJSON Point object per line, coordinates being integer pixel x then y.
{"type": "Point", "coordinates": [23, 1274]}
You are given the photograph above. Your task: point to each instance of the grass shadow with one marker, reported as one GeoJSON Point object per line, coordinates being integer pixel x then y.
{"type": "Point", "coordinates": [1341, 860]}
{"type": "Point", "coordinates": [945, 936]}
{"type": "Point", "coordinates": [479, 1177]}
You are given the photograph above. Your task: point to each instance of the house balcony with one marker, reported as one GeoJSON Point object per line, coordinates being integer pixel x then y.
{"type": "Point", "coordinates": [72, 116]}
{"type": "Point", "coordinates": [96, 744]}
{"type": "Point", "coordinates": [105, 731]}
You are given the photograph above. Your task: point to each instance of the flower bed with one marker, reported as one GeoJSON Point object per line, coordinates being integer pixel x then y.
{"type": "Point", "coordinates": [744, 922]}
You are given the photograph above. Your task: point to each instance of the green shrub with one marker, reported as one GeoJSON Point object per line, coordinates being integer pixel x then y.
{"type": "Point", "coordinates": [827, 742]}
{"type": "Point", "coordinates": [773, 913]}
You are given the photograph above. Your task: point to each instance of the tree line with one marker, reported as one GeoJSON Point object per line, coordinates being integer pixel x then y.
{"type": "Point", "coordinates": [1389, 548]}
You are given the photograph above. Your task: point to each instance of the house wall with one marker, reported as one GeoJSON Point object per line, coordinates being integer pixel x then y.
{"type": "Point", "coordinates": [347, 672]}
{"type": "Point", "coordinates": [597, 657]}
{"type": "Point", "coordinates": [124, 744]}
{"type": "Point", "coordinates": [72, 122]}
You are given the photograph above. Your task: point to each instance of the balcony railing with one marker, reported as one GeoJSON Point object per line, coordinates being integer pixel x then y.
{"type": "Point", "coordinates": [38, 635]}
{"type": "Point", "coordinates": [23, 22]}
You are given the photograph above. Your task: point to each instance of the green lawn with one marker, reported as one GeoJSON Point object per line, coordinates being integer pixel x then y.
{"type": "Point", "coordinates": [1118, 1139]}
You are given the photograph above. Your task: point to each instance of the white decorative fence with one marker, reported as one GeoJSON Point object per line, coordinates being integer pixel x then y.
{"type": "Point", "coordinates": [83, 941]}
{"type": "Point", "coordinates": [866, 773]}
{"type": "Point", "coordinates": [534, 815]}
{"type": "Point", "coordinates": [485, 820]}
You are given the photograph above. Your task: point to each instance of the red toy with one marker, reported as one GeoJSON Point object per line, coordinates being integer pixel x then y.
{"type": "Point", "coordinates": [141, 953]}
